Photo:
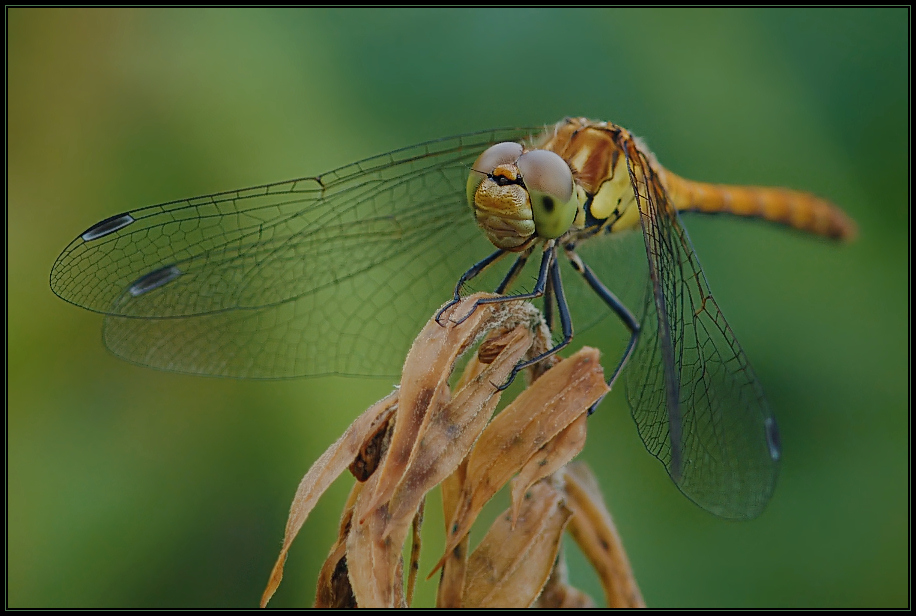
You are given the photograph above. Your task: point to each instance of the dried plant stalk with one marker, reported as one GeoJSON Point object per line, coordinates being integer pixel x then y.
{"type": "Point", "coordinates": [443, 435]}
{"type": "Point", "coordinates": [594, 532]}
{"type": "Point", "coordinates": [454, 567]}
{"type": "Point", "coordinates": [524, 430]}
{"type": "Point", "coordinates": [415, 543]}
{"type": "Point", "coordinates": [425, 435]}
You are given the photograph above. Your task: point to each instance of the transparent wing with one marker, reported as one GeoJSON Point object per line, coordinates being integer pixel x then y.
{"type": "Point", "coordinates": [693, 394]}
{"type": "Point", "coordinates": [331, 274]}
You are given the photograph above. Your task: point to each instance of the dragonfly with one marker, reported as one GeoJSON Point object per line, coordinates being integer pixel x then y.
{"type": "Point", "coordinates": [333, 274]}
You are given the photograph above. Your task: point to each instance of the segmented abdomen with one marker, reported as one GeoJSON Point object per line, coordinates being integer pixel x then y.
{"type": "Point", "coordinates": [793, 208]}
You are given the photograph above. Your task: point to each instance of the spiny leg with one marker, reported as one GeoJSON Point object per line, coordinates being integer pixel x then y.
{"type": "Point", "coordinates": [514, 271]}
{"type": "Point", "coordinates": [473, 272]}
{"type": "Point", "coordinates": [550, 254]}
{"type": "Point", "coordinates": [548, 304]}
{"type": "Point", "coordinates": [616, 305]}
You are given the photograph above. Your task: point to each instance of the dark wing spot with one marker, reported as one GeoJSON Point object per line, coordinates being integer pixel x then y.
{"type": "Point", "coordinates": [154, 280]}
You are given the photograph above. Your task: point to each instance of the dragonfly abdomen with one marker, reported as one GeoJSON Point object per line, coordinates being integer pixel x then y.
{"type": "Point", "coordinates": [792, 208]}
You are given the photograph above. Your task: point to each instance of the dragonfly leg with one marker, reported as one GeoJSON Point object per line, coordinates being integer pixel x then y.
{"type": "Point", "coordinates": [565, 324]}
{"type": "Point", "coordinates": [473, 272]}
{"type": "Point", "coordinates": [550, 253]}
{"type": "Point", "coordinates": [616, 305]}
{"type": "Point", "coordinates": [548, 304]}
{"type": "Point", "coordinates": [514, 271]}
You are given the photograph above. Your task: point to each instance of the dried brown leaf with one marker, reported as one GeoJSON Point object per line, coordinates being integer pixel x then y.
{"type": "Point", "coordinates": [323, 472]}
{"type": "Point", "coordinates": [445, 432]}
{"type": "Point", "coordinates": [558, 594]}
{"type": "Point", "coordinates": [511, 565]}
{"type": "Point", "coordinates": [333, 590]}
{"type": "Point", "coordinates": [453, 428]}
{"type": "Point", "coordinates": [376, 569]}
{"type": "Point", "coordinates": [440, 438]}
{"type": "Point", "coordinates": [519, 432]}
{"type": "Point", "coordinates": [378, 533]}
{"type": "Point", "coordinates": [549, 458]}
{"type": "Point", "coordinates": [425, 381]}
{"type": "Point", "coordinates": [369, 455]}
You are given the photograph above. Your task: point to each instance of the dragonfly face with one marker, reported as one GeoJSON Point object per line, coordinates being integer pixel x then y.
{"type": "Point", "coordinates": [517, 195]}
{"type": "Point", "coordinates": [334, 274]}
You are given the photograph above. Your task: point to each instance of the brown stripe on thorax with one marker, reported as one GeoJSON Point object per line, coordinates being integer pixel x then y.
{"type": "Point", "coordinates": [590, 149]}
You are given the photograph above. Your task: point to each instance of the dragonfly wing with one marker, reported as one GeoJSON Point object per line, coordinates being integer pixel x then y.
{"type": "Point", "coordinates": [693, 394]}
{"type": "Point", "coordinates": [359, 325]}
{"type": "Point", "coordinates": [307, 277]}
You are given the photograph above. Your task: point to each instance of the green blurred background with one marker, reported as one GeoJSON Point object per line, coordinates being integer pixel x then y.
{"type": "Point", "coordinates": [129, 487]}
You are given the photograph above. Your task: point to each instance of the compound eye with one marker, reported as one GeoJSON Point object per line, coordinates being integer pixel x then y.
{"type": "Point", "coordinates": [545, 172]}
{"type": "Point", "coordinates": [499, 154]}
{"type": "Point", "coordinates": [550, 185]}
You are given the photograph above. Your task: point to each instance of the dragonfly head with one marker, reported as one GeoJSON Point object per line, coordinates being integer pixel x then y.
{"type": "Point", "coordinates": [516, 195]}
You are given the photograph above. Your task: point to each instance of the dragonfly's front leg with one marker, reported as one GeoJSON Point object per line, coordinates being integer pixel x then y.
{"type": "Point", "coordinates": [472, 273]}
{"type": "Point", "coordinates": [550, 252]}
{"type": "Point", "coordinates": [509, 278]}
{"type": "Point", "coordinates": [514, 271]}
{"type": "Point", "coordinates": [549, 269]}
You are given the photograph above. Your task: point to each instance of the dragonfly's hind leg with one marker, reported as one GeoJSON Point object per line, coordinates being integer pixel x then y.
{"type": "Point", "coordinates": [616, 305]}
